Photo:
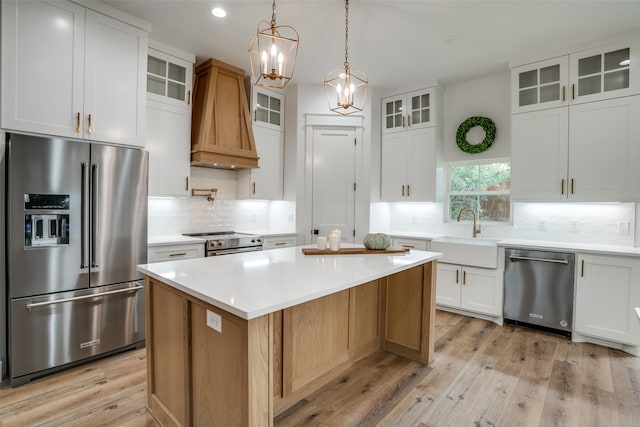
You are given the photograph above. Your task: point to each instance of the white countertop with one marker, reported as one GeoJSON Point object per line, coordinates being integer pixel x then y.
{"type": "Point", "coordinates": [252, 284]}
{"type": "Point", "coordinates": [172, 240]}
{"type": "Point", "coordinates": [539, 244]}
{"type": "Point", "coordinates": [572, 247]}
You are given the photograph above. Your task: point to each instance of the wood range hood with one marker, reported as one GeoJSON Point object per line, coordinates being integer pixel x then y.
{"type": "Point", "coordinates": [221, 134]}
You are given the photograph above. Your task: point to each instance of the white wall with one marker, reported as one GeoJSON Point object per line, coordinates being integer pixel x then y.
{"type": "Point", "coordinates": [487, 96]}
{"type": "Point", "coordinates": [595, 223]}
{"type": "Point", "coordinates": [171, 216]}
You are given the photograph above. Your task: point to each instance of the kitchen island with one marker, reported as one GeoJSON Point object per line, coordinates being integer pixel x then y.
{"type": "Point", "coordinates": [238, 339]}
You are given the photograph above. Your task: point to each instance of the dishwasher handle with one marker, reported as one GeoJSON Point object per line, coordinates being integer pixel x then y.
{"type": "Point", "coordinates": [524, 258]}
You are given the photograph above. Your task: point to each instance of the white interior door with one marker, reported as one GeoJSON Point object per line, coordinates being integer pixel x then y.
{"type": "Point", "coordinates": [333, 181]}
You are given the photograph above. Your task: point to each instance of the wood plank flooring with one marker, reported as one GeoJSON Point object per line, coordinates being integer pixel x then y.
{"type": "Point", "coordinates": [483, 375]}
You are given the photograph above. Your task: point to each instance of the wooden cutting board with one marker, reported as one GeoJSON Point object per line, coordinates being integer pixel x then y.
{"type": "Point", "coordinates": [353, 251]}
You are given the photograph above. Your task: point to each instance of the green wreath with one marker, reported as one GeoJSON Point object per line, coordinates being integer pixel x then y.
{"type": "Point", "coordinates": [489, 130]}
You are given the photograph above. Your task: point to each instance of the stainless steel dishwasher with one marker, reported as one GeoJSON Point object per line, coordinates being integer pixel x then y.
{"type": "Point", "coordinates": [538, 289]}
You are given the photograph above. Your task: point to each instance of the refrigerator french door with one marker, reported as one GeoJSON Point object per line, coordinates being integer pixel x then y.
{"type": "Point", "coordinates": [76, 229]}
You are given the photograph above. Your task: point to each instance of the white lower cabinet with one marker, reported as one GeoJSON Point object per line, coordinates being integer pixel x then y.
{"type": "Point", "coordinates": [274, 242]}
{"type": "Point", "coordinates": [402, 242]}
{"type": "Point", "coordinates": [175, 251]}
{"type": "Point", "coordinates": [469, 288]}
{"type": "Point", "coordinates": [607, 290]}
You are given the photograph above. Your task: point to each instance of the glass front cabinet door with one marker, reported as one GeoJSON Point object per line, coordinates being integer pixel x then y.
{"type": "Point", "coordinates": [413, 110]}
{"type": "Point", "coordinates": [540, 85]}
{"type": "Point", "coordinates": [268, 108]}
{"type": "Point", "coordinates": [606, 72]}
{"type": "Point", "coordinates": [168, 78]}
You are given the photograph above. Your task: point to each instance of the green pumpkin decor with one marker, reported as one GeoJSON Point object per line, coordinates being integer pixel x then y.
{"type": "Point", "coordinates": [376, 241]}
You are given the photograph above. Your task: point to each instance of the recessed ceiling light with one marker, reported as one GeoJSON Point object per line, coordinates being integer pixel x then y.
{"type": "Point", "coordinates": [218, 12]}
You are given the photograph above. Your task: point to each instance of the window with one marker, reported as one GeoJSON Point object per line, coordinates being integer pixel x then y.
{"type": "Point", "coordinates": [483, 187]}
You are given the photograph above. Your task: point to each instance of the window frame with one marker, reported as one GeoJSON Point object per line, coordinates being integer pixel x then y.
{"type": "Point", "coordinates": [447, 195]}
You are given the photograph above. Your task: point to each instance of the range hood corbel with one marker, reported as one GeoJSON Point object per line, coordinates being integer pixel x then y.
{"type": "Point", "coordinates": [221, 134]}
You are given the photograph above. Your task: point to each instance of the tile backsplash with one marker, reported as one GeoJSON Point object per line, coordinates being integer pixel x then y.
{"type": "Point", "coordinates": [171, 216]}
{"type": "Point", "coordinates": [598, 223]}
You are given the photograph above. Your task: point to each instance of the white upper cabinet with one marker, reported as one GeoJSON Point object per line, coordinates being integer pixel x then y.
{"type": "Point", "coordinates": [72, 72]}
{"type": "Point", "coordinates": [605, 72]}
{"type": "Point", "coordinates": [588, 152]}
{"type": "Point", "coordinates": [168, 121]}
{"type": "Point", "coordinates": [540, 155]}
{"type": "Point", "coordinates": [413, 110]}
{"type": "Point", "coordinates": [267, 108]}
{"type": "Point", "coordinates": [267, 181]}
{"type": "Point", "coordinates": [409, 166]}
{"type": "Point", "coordinates": [539, 85]}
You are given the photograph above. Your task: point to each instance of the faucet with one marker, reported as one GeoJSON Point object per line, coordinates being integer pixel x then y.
{"type": "Point", "coordinates": [476, 228]}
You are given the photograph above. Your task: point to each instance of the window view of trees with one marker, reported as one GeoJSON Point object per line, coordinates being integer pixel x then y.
{"type": "Point", "coordinates": [483, 187]}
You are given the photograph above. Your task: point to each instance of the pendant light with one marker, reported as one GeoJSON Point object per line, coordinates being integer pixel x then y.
{"type": "Point", "coordinates": [346, 87]}
{"type": "Point", "coordinates": [273, 52]}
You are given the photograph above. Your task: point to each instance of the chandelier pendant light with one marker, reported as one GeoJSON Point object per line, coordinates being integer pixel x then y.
{"type": "Point", "coordinates": [346, 87]}
{"type": "Point", "coordinates": [273, 52]}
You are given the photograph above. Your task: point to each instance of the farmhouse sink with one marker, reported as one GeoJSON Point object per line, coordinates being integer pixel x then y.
{"type": "Point", "coordinates": [476, 252]}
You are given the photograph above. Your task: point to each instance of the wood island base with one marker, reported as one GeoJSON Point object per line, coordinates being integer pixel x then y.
{"type": "Point", "coordinates": [255, 369]}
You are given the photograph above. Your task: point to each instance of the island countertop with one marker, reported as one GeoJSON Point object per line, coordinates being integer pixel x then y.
{"type": "Point", "coordinates": [253, 284]}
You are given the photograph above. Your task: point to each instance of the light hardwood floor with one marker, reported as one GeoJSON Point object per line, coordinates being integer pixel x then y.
{"type": "Point", "coordinates": [483, 375]}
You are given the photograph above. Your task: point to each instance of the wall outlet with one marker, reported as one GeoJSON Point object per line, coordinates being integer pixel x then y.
{"type": "Point", "coordinates": [573, 225]}
{"type": "Point", "coordinates": [542, 224]}
{"type": "Point", "coordinates": [214, 321]}
{"type": "Point", "coordinates": [623, 227]}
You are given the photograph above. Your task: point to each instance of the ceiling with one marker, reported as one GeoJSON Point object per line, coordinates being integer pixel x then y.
{"type": "Point", "coordinates": [398, 44]}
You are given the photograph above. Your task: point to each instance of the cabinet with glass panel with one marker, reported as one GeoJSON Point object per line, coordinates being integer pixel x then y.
{"type": "Point", "coordinates": [413, 110]}
{"type": "Point", "coordinates": [168, 127]}
{"type": "Point", "coordinates": [265, 182]}
{"type": "Point", "coordinates": [605, 72]}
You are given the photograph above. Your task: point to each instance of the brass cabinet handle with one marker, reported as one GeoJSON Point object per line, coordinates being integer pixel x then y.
{"type": "Point", "coordinates": [78, 122]}
{"type": "Point", "coordinates": [564, 94]}
{"type": "Point", "coordinates": [89, 124]}
{"type": "Point", "coordinates": [254, 187]}
{"type": "Point", "coordinates": [178, 254]}
{"type": "Point", "coordinates": [582, 269]}
{"type": "Point", "coordinates": [408, 246]}
{"type": "Point", "coordinates": [408, 121]}
{"type": "Point", "coordinates": [562, 187]}
{"type": "Point", "coordinates": [186, 183]}
{"type": "Point", "coordinates": [403, 125]}
{"type": "Point", "coordinates": [457, 276]}
{"type": "Point", "coordinates": [573, 91]}
{"type": "Point", "coordinates": [189, 97]}
{"type": "Point", "coordinates": [464, 277]}
{"type": "Point", "coordinates": [408, 190]}
{"type": "Point", "coordinates": [280, 243]}
{"type": "Point", "coordinates": [572, 186]}
{"type": "Point", "coordinates": [402, 190]}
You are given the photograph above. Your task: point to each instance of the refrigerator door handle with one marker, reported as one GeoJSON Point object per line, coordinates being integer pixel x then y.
{"type": "Point", "coordinates": [95, 225]}
{"type": "Point", "coordinates": [84, 218]}
{"type": "Point", "coordinates": [32, 305]}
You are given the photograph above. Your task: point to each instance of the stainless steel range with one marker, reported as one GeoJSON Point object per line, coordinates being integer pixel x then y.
{"type": "Point", "coordinates": [229, 242]}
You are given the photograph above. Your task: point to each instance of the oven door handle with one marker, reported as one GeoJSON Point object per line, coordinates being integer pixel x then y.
{"type": "Point", "coordinates": [524, 258]}
{"type": "Point", "coordinates": [30, 305]}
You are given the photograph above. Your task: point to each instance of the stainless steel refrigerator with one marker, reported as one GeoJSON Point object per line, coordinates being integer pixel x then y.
{"type": "Point", "coordinates": [76, 229]}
